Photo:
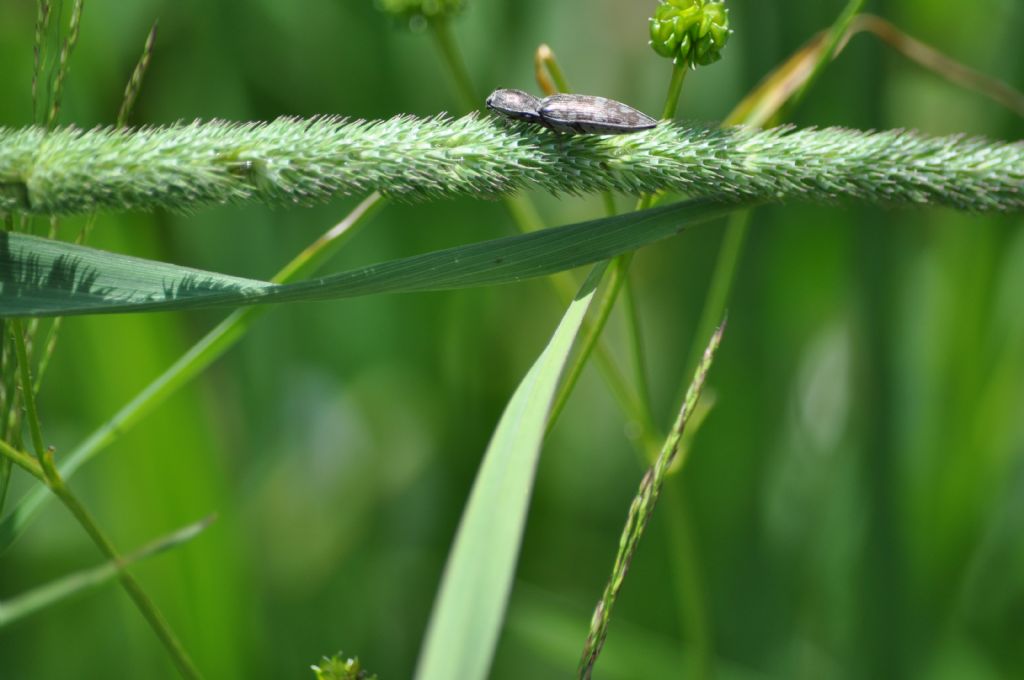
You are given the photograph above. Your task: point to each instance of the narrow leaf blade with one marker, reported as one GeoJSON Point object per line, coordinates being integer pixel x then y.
{"type": "Point", "coordinates": [41, 277]}
{"type": "Point", "coordinates": [470, 607]}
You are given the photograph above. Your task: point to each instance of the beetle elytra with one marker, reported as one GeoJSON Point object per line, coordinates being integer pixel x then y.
{"type": "Point", "coordinates": [571, 113]}
{"type": "Point", "coordinates": [592, 115]}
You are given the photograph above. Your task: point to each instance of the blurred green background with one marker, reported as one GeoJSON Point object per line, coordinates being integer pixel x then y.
{"type": "Point", "coordinates": [854, 504]}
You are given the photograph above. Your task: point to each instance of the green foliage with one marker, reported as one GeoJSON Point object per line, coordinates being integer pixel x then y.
{"type": "Point", "coordinates": [338, 667]}
{"type": "Point", "coordinates": [866, 433]}
{"type": "Point", "coordinates": [470, 607]}
{"type": "Point", "coordinates": [429, 9]}
{"type": "Point", "coordinates": [44, 277]}
{"type": "Point", "coordinates": [291, 161]}
{"type": "Point", "coordinates": [691, 32]}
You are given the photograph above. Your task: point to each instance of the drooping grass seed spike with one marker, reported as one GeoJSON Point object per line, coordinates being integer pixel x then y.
{"type": "Point", "coordinates": [515, 104]}
{"type": "Point", "coordinates": [588, 114]}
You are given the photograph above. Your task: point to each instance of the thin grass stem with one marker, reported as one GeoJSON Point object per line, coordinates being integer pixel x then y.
{"type": "Point", "coordinates": [28, 394]}
{"type": "Point", "coordinates": [638, 353]}
{"type": "Point", "coordinates": [675, 88]}
{"type": "Point", "coordinates": [23, 460]}
{"type": "Point", "coordinates": [56, 484]}
{"type": "Point", "coordinates": [440, 28]}
{"type": "Point", "coordinates": [44, 596]}
{"type": "Point", "coordinates": [142, 601]}
{"type": "Point", "coordinates": [722, 278]}
{"type": "Point", "coordinates": [627, 399]}
{"type": "Point", "coordinates": [835, 37]}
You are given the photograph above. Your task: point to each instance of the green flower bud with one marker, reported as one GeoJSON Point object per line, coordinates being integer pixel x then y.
{"type": "Point", "coordinates": [690, 31]}
{"type": "Point", "coordinates": [339, 668]}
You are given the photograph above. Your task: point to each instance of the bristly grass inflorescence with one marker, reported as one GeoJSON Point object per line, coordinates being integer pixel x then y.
{"type": "Point", "coordinates": [300, 161]}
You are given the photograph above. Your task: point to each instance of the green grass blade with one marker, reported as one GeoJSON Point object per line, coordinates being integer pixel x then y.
{"type": "Point", "coordinates": [470, 606]}
{"type": "Point", "coordinates": [45, 596]}
{"type": "Point", "coordinates": [189, 365]}
{"type": "Point", "coordinates": [42, 277]}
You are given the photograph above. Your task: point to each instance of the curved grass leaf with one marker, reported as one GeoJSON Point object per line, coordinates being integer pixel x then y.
{"type": "Point", "coordinates": [470, 607]}
{"type": "Point", "coordinates": [42, 277]}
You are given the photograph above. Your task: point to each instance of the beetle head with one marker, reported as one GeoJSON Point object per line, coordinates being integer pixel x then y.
{"type": "Point", "coordinates": [515, 104]}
